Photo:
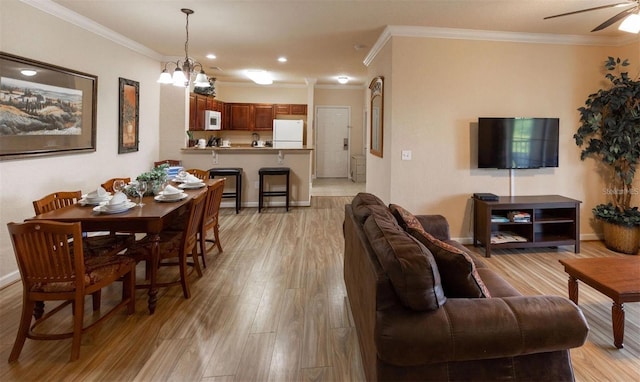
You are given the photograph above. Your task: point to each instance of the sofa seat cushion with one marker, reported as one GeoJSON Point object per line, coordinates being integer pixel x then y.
{"type": "Point", "coordinates": [457, 268]}
{"type": "Point", "coordinates": [410, 266]}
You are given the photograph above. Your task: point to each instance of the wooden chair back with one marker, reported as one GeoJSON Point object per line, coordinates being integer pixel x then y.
{"type": "Point", "coordinates": [170, 162]}
{"type": "Point", "coordinates": [200, 174]}
{"type": "Point", "coordinates": [56, 200]}
{"type": "Point", "coordinates": [52, 269]}
{"type": "Point", "coordinates": [192, 229]}
{"type": "Point", "coordinates": [210, 217]}
{"type": "Point", "coordinates": [44, 254]}
{"type": "Point", "coordinates": [108, 185]}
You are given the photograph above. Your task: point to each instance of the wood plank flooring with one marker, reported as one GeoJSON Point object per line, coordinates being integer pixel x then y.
{"type": "Point", "coordinates": [272, 307]}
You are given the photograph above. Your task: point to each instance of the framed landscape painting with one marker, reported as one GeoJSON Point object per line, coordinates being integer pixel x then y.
{"type": "Point", "coordinates": [128, 130]}
{"type": "Point", "coordinates": [45, 109]}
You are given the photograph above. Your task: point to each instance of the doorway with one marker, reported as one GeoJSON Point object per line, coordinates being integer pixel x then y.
{"type": "Point", "coordinates": [332, 141]}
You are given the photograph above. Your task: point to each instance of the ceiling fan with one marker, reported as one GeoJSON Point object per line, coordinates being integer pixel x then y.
{"type": "Point", "coordinates": [634, 6]}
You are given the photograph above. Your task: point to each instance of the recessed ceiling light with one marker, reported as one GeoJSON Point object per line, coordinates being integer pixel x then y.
{"type": "Point", "coordinates": [282, 59]}
{"type": "Point", "coordinates": [211, 56]}
{"type": "Point", "coordinates": [28, 72]}
{"type": "Point", "coordinates": [343, 79]}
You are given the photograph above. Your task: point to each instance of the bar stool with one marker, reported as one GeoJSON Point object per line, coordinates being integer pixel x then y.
{"type": "Point", "coordinates": [266, 171]}
{"type": "Point", "coordinates": [228, 172]}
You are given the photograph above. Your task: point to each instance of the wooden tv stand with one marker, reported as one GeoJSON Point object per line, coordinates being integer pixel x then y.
{"type": "Point", "coordinates": [554, 221]}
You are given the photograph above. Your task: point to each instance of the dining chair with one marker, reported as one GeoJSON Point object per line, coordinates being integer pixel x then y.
{"type": "Point", "coordinates": [200, 174]}
{"type": "Point", "coordinates": [108, 185]}
{"type": "Point", "coordinates": [93, 245]}
{"type": "Point", "coordinates": [52, 269]}
{"type": "Point", "coordinates": [176, 246]}
{"type": "Point", "coordinates": [210, 219]}
{"type": "Point", "coordinates": [170, 162]}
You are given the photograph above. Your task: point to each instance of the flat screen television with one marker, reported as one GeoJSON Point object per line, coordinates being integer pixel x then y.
{"type": "Point", "coordinates": [518, 143]}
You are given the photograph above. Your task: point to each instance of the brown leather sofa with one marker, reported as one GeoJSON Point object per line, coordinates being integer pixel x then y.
{"type": "Point", "coordinates": [416, 321]}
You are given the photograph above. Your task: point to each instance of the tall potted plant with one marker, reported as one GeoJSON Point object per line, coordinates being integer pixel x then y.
{"type": "Point", "coordinates": [609, 131]}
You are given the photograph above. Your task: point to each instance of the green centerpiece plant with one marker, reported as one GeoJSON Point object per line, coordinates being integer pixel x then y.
{"type": "Point", "coordinates": [156, 179]}
{"type": "Point", "coordinates": [609, 132]}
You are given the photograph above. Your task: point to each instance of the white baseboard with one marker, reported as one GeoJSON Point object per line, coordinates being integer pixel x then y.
{"type": "Point", "coordinates": [9, 279]}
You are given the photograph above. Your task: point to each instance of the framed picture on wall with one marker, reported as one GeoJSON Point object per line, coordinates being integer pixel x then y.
{"type": "Point", "coordinates": [376, 131]}
{"type": "Point", "coordinates": [45, 109]}
{"type": "Point", "coordinates": [128, 128]}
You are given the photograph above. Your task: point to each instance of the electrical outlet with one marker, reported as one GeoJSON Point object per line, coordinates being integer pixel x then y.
{"type": "Point", "coordinates": [406, 154]}
{"type": "Point", "coordinates": [256, 184]}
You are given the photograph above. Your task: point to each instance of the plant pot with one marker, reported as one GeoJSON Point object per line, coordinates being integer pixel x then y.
{"type": "Point", "coordinates": [621, 238]}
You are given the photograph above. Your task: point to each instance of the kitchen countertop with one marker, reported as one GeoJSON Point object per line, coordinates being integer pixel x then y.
{"type": "Point", "coordinates": [241, 148]}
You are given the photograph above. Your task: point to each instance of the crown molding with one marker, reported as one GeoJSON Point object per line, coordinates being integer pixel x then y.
{"type": "Point", "coordinates": [340, 87]}
{"type": "Point", "coordinates": [85, 23]}
{"type": "Point", "coordinates": [250, 84]}
{"type": "Point", "coordinates": [483, 35]}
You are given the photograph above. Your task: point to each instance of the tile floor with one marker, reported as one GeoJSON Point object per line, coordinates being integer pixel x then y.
{"type": "Point", "coordinates": [336, 187]}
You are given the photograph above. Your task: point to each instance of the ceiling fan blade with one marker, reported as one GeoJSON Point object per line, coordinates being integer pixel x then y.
{"type": "Point", "coordinates": [615, 19]}
{"type": "Point", "coordinates": [589, 10]}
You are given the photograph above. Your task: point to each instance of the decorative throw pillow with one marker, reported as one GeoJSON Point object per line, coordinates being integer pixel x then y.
{"type": "Point", "coordinates": [405, 218]}
{"type": "Point", "coordinates": [412, 270]}
{"type": "Point", "coordinates": [460, 277]}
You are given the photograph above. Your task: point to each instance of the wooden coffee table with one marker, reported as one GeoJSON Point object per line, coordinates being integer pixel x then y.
{"type": "Point", "coordinates": [615, 277]}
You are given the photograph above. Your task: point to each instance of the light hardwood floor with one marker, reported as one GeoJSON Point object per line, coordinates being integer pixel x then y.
{"type": "Point", "coordinates": [272, 307]}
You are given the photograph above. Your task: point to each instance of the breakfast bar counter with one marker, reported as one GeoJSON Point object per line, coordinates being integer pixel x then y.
{"type": "Point", "coordinates": [251, 159]}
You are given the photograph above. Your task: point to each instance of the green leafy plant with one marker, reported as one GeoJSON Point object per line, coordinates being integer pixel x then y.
{"type": "Point", "coordinates": [154, 178]}
{"type": "Point", "coordinates": [610, 132]}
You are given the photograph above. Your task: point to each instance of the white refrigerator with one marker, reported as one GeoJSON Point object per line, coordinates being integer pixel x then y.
{"type": "Point", "coordinates": [287, 133]}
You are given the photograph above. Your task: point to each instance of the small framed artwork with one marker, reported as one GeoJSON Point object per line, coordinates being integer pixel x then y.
{"type": "Point", "coordinates": [128, 128]}
{"type": "Point", "coordinates": [45, 109]}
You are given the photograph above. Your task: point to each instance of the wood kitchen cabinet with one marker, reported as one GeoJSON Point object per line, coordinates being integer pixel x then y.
{"type": "Point", "coordinates": [249, 116]}
{"type": "Point", "coordinates": [262, 117]}
{"type": "Point", "coordinates": [198, 103]}
{"type": "Point", "coordinates": [299, 109]}
{"type": "Point", "coordinates": [238, 116]}
{"type": "Point", "coordinates": [290, 109]}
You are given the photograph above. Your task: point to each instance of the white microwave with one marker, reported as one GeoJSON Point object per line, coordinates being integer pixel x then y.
{"type": "Point", "coordinates": [212, 120]}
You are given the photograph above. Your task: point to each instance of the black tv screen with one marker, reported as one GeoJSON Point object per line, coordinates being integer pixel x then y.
{"type": "Point", "coordinates": [518, 142]}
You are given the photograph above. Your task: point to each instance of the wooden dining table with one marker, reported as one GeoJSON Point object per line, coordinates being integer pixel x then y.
{"type": "Point", "coordinates": [150, 219]}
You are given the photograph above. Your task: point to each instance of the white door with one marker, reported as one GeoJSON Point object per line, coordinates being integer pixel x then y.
{"type": "Point", "coordinates": [332, 143]}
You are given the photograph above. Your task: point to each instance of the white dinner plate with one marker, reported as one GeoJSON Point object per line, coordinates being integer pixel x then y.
{"type": "Point", "coordinates": [93, 202]}
{"type": "Point", "coordinates": [104, 210]}
{"type": "Point", "coordinates": [185, 186]}
{"type": "Point", "coordinates": [162, 198]}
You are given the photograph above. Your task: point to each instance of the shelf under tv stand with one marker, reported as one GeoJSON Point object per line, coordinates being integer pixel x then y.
{"type": "Point", "coordinates": [554, 221]}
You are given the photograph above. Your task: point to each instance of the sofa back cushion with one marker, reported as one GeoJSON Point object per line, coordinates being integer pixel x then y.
{"type": "Point", "coordinates": [360, 205]}
{"type": "Point", "coordinates": [459, 275]}
{"type": "Point", "coordinates": [410, 266]}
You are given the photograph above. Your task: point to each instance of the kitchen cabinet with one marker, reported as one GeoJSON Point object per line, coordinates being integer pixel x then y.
{"type": "Point", "coordinates": [238, 116]}
{"type": "Point", "coordinates": [250, 116]}
{"type": "Point", "coordinates": [262, 117]}
{"type": "Point", "coordinates": [198, 103]}
{"type": "Point", "coordinates": [299, 109]}
{"type": "Point", "coordinates": [290, 109]}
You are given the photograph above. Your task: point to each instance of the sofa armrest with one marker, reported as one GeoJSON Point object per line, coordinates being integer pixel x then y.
{"type": "Point", "coordinates": [436, 225]}
{"type": "Point", "coordinates": [498, 327]}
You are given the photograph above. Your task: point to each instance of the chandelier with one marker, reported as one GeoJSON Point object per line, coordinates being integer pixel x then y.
{"type": "Point", "coordinates": [183, 71]}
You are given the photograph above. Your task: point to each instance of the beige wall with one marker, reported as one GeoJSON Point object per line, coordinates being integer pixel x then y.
{"type": "Point", "coordinates": [51, 40]}
{"type": "Point", "coordinates": [379, 175]}
{"type": "Point", "coordinates": [438, 90]}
